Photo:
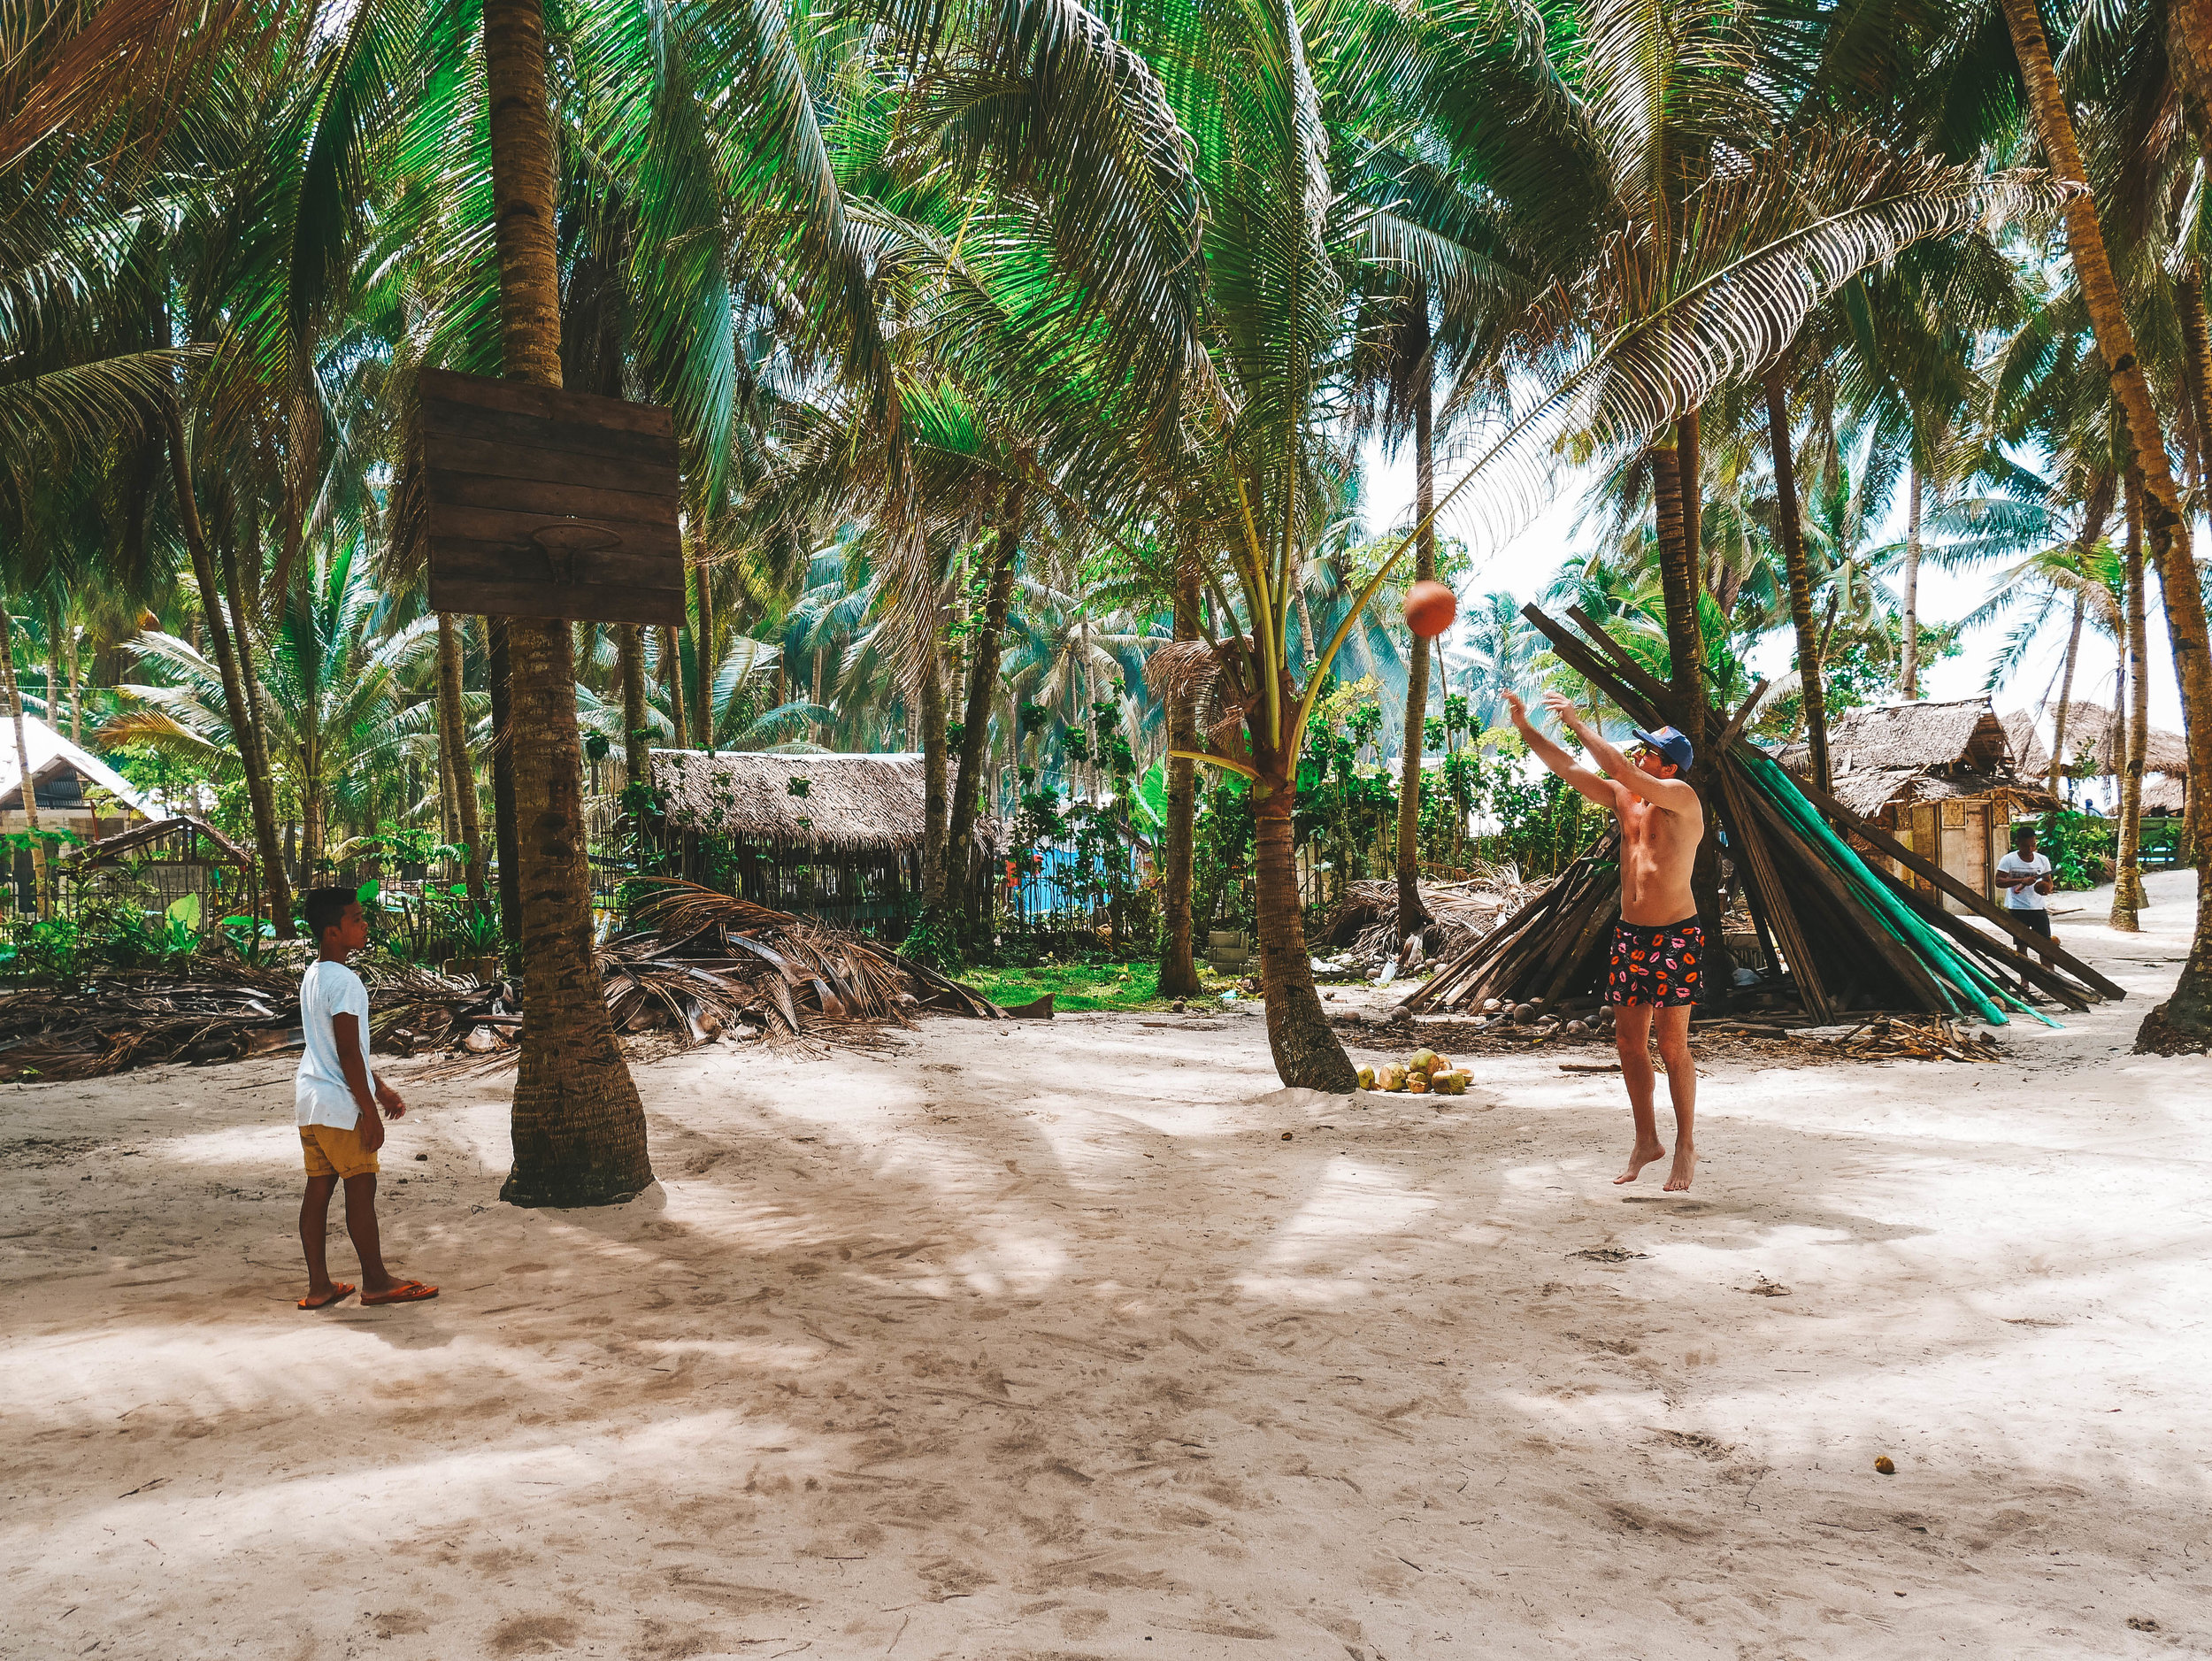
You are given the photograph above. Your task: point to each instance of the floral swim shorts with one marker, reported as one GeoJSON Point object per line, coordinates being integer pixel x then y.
{"type": "Point", "coordinates": [1656, 965]}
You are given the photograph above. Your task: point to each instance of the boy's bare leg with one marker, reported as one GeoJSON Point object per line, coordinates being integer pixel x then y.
{"type": "Point", "coordinates": [1632, 1032]}
{"type": "Point", "coordinates": [368, 1244]}
{"type": "Point", "coordinates": [314, 1230]}
{"type": "Point", "coordinates": [1674, 1049]}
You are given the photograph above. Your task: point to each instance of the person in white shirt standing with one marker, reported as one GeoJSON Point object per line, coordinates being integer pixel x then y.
{"type": "Point", "coordinates": [338, 1096]}
{"type": "Point", "coordinates": [2024, 877]}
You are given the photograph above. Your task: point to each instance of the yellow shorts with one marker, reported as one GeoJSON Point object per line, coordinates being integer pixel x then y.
{"type": "Point", "coordinates": [332, 1152]}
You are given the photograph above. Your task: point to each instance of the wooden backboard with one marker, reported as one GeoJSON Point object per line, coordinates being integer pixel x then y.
{"type": "Point", "coordinates": [544, 504]}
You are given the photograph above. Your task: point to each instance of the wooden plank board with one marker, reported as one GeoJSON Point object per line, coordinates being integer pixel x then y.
{"type": "Point", "coordinates": [1812, 990]}
{"type": "Point", "coordinates": [655, 549]}
{"type": "Point", "coordinates": [543, 403]}
{"type": "Point", "coordinates": [538, 502]}
{"type": "Point", "coordinates": [491, 493]}
{"type": "Point", "coordinates": [648, 607]}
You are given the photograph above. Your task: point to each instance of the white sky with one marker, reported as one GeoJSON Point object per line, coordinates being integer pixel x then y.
{"type": "Point", "coordinates": [1523, 566]}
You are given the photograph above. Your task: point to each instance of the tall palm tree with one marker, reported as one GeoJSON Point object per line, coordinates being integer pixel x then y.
{"type": "Point", "coordinates": [579, 1126]}
{"type": "Point", "coordinates": [2186, 1018]}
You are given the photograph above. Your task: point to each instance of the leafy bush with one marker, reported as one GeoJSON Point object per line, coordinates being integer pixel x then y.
{"type": "Point", "coordinates": [2082, 847]}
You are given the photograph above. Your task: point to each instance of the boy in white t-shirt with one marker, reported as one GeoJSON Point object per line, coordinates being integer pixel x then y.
{"type": "Point", "coordinates": [337, 1097]}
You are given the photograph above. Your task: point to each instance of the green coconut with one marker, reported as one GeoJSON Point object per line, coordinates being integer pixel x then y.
{"type": "Point", "coordinates": [1367, 1078]}
{"type": "Point", "coordinates": [1390, 1076]}
{"type": "Point", "coordinates": [1424, 1060]}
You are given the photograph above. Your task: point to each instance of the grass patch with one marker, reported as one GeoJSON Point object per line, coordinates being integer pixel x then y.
{"type": "Point", "coordinates": [1073, 985]}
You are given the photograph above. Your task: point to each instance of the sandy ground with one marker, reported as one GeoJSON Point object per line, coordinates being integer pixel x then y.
{"type": "Point", "coordinates": [1044, 1342]}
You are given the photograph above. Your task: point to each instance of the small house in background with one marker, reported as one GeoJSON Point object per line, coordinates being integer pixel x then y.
{"type": "Point", "coordinates": [2096, 747]}
{"type": "Point", "coordinates": [74, 789]}
{"type": "Point", "coordinates": [834, 836]}
{"type": "Point", "coordinates": [1945, 778]}
{"type": "Point", "coordinates": [158, 862]}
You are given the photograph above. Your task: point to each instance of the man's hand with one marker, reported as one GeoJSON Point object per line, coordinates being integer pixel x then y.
{"type": "Point", "coordinates": [1518, 710]}
{"type": "Point", "coordinates": [389, 1099]}
{"type": "Point", "coordinates": [1564, 711]}
{"type": "Point", "coordinates": [372, 1129]}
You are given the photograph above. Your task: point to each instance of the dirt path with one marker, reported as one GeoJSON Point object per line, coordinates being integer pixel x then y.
{"type": "Point", "coordinates": [1043, 1342]}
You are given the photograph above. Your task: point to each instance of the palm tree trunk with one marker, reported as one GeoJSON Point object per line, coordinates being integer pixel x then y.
{"type": "Point", "coordinates": [1790, 525]}
{"type": "Point", "coordinates": [1689, 448]}
{"type": "Point", "coordinates": [2127, 878]}
{"type": "Point", "coordinates": [1682, 580]}
{"type": "Point", "coordinates": [505, 832]}
{"type": "Point", "coordinates": [975, 730]}
{"type": "Point", "coordinates": [235, 579]}
{"type": "Point", "coordinates": [260, 797]}
{"type": "Point", "coordinates": [579, 1128]}
{"type": "Point", "coordinates": [2065, 696]}
{"type": "Point", "coordinates": [703, 658]}
{"type": "Point", "coordinates": [637, 737]}
{"type": "Point", "coordinates": [930, 701]}
{"type": "Point", "coordinates": [453, 739]}
{"type": "Point", "coordinates": [41, 893]}
{"type": "Point", "coordinates": [76, 691]}
{"type": "Point", "coordinates": [2184, 1020]}
{"type": "Point", "coordinates": [2094, 511]}
{"type": "Point", "coordinates": [53, 661]}
{"type": "Point", "coordinates": [2196, 342]}
{"type": "Point", "coordinates": [1678, 580]}
{"type": "Point", "coordinates": [1306, 1051]}
{"type": "Point", "coordinates": [1909, 663]}
{"type": "Point", "coordinates": [1411, 914]}
{"type": "Point", "coordinates": [672, 679]}
{"type": "Point", "coordinates": [1179, 964]}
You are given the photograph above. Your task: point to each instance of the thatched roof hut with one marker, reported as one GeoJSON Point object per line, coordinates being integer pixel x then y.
{"type": "Point", "coordinates": [2028, 755]}
{"type": "Point", "coordinates": [1898, 753]}
{"type": "Point", "coordinates": [826, 804]}
{"type": "Point", "coordinates": [830, 836]}
{"type": "Point", "coordinates": [2094, 747]}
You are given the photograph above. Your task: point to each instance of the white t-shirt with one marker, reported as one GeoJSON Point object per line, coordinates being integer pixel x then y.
{"type": "Point", "coordinates": [2026, 899]}
{"type": "Point", "coordinates": [327, 989]}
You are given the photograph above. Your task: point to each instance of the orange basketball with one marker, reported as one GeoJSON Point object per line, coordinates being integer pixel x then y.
{"type": "Point", "coordinates": [1430, 609]}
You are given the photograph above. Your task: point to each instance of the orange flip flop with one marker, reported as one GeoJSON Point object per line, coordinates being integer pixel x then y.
{"type": "Point", "coordinates": [340, 1291]}
{"type": "Point", "coordinates": [405, 1292]}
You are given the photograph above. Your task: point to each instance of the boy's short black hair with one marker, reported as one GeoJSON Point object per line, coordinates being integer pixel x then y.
{"type": "Point", "coordinates": [326, 909]}
{"type": "Point", "coordinates": [2019, 831]}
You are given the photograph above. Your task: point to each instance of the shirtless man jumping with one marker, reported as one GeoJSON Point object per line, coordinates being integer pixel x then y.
{"type": "Point", "coordinates": [1658, 949]}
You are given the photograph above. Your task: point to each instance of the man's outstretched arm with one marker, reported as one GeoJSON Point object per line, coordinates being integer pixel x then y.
{"type": "Point", "coordinates": [1674, 794]}
{"type": "Point", "coordinates": [1559, 761]}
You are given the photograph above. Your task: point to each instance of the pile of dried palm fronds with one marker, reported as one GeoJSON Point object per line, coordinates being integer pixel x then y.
{"type": "Point", "coordinates": [118, 1019]}
{"type": "Point", "coordinates": [700, 965]}
{"type": "Point", "coordinates": [1893, 1037]}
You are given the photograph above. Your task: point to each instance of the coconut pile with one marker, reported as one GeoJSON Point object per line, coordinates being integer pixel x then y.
{"type": "Point", "coordinates": [1424, 1073]}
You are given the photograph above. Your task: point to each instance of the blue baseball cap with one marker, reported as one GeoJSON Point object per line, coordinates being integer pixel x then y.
{"type": "Point", "coordinates": [1668, 743]}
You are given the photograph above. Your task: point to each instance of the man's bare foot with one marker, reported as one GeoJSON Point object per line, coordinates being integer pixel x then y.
{"type": "Point", "coordinates": [1684, 1163]}
{"type": "Point", "coordinates": [1645, 1153]}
